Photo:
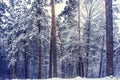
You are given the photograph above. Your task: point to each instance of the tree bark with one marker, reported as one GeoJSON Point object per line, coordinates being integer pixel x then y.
{"type": "Point", "coordinates": [40, 50]}
{"type": "Point", "coordinates": [88, 42]}
{"type": "Point", "coordinates": [109, 38]}
{"type": "Point", "coordinates": [53, 52]}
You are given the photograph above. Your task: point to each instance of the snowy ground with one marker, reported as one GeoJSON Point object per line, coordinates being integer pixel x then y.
{"type": "Point", "coordinates": [77, 78]}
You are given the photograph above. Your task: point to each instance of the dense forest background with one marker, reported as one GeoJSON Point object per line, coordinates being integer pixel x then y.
{"type": "Point", "coordinates": [82, 40]}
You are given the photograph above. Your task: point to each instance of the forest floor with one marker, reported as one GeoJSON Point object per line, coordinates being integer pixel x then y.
{"type": "Point", "coordinates": [77, 78]}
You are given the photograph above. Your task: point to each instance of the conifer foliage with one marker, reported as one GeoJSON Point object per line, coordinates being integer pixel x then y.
{"type": "Point", "coordinates": [38, 42]}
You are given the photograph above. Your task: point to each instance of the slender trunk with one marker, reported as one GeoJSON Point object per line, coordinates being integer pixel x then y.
{"type": "Point", "coordinates": [26, 66]}
{"type": "Point", "coordinates": [109, 38]}
{"type": "Point", "coordinates": [87, 49]}
{"type": "Point", "coordinates": [79, 67]}
{"type": "Point", "coordinates": [40, 56]}
{"type": "Point", "coordinates": [80, 71]}
{"type": "Point", "coordinates": [87, 61]}
{"type": "Point", "coordinates": [25, 61]}
{"type": "Point", "coordinates": [40, 62]}
{"type": "Point", "coordinates": [101, 61]}
{"type": "Point", "coordinates": [13, 69]}
{"type": "Point", "coordinates": [82, 75]}
{"type": "Point", "coordinates": [53, 52]}
{"type": "Point", "coordinates": [88, 41]}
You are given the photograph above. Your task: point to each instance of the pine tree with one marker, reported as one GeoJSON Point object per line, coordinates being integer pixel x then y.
{"type": "Point", "coordinates": [109, 38]}
{"type": "Point", "coordinates": [53, 52]}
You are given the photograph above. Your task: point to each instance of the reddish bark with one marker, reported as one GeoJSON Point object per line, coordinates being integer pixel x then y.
{"type": "Point", "coordinates": [53, 52]}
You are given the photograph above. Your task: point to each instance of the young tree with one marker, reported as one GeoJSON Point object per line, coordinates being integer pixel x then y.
{"type": "Point", "coordinates": [93, 30]}
{"type": "Point", "coordinates": [80, 69]}
{"type": "Point", "coordinates": [87, 34]}
{"type": "Point", "coordinates": [101, 60]}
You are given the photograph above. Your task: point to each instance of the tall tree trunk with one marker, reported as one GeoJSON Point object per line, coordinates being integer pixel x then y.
{"type": "Point", "coordinates": [25, 59]}
{"type": "Point", "coordinates": [88, 42]}
{"type": "Point", "coordinates": [109, 37]}
{"type": "Point", "coordinates": [101, 61]}
{"type": "Point", "coordinates": [40, 56]}
{"type": "Point", "coordinates": [80, 71]}
{"type": "Point", "coordinates": [53, 52]}
{"type": "Point", "coordinates": [80, 56]}
{"type": "Point", "coordinates": [82, 68]}
{"type": "Point", "coordinates": [40, 62]}
{"type": "Point", "coordinates": [87, 57]}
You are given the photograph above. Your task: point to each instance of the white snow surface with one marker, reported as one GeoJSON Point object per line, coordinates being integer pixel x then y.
{"type": "Point", "coordinates": [77, 78]}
